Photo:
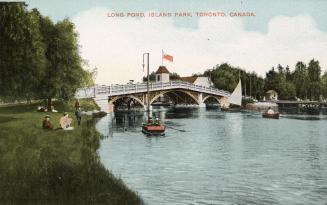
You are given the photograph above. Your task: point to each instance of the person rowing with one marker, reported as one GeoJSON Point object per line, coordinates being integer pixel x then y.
{"type": "Point", "coordinates": [270, 111]}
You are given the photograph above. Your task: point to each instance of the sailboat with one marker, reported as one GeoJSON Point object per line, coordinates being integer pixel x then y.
{"type": "Point", "coordinates": [151, 127]}
{"type": "Point", "coordinates": [235, 99]}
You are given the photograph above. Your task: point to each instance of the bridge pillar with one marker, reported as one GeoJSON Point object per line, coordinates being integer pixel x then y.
{"type": "Point", "coordinates": [200, 100]}
{"type": "Point", "coordinates": [110, 107]}
{"type": "Point", "coordinates": [103, 104]}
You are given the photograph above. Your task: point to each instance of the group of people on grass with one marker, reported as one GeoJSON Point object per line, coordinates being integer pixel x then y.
{"type": "Point", "coordinates": [65, 121]}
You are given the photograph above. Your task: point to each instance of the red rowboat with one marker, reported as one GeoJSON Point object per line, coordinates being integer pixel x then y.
{"type": "Point", "coordinates": [152, 129]}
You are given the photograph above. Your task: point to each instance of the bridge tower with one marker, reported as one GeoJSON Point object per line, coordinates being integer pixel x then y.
{"type": "Point", "coordinates": [162, 74]}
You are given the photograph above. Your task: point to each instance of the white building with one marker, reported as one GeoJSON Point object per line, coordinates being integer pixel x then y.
{"type": "Point", "coordinates": [162, 74]}
{"type": "Point", "coordinates": [197, 80]}
{"type": "Point", "coordinates": [271, 95]}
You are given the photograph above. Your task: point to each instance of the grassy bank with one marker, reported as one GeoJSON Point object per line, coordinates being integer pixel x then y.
{"type": "Point", "coordinates": [54, 166]}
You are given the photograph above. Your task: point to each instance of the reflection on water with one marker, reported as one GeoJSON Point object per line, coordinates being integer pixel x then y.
{"type": "Point", "coordinates": [212, 157]}
{"type": "Point", "coordinates": [305, 117]}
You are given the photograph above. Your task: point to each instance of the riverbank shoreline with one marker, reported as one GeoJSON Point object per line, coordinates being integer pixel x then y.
{"type": "Point", "coordinates": [55, 166]}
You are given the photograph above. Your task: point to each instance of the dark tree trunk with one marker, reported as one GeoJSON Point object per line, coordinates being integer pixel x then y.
{"type": "Point", "coordinates": [49, 104]}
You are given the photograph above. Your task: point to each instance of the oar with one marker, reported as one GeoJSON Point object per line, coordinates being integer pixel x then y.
{"type": "Point", "coordinates": [176, 129]}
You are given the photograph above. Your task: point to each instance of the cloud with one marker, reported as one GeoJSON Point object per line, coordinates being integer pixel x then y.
{"type": "Point", "coordinates": [115, 45]}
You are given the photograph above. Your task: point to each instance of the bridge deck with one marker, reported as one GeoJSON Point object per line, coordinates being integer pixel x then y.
{"type": "Point", "coordinates": [116, 90]}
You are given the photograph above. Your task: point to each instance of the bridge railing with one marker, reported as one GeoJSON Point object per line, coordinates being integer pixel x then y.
{"type": "Point", "coordinates": [114, 90]}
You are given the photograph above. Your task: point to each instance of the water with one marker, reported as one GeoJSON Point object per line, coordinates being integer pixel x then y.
{"type": "Point", "coordinates": [211, 157]}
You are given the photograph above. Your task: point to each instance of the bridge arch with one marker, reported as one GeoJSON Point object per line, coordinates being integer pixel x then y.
{"type": "Point", "coordinates": [173, 91]}
{"type": "Point", "coordinates": [114, 99]}
{"type": "Point", "coordinates": [212, 97]}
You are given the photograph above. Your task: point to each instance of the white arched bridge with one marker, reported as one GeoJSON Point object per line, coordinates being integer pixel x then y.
{"type": "Point", "coordinates": [179, 92]}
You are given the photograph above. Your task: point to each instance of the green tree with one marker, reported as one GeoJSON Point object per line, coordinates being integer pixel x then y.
{"type": "Point", "coordinates": [174, 76]}
{"type": "Point", "coordinates": [324, 85]}
{"type": "Point", "coordinates": [22, 60]}
{"type": "Point", "coordinates": [226, 77]}
{"type": "Point", "coordinates": [314, 72]}
{"type": "Point", "coordinates": [278, 81]}
{"type": "Point", "coordinates": [272, 80]}
{"type": "Point", "coordinates": [152, 77]}
{"type": "Point", "coordinates": [300, 80]}
{"type": "Point", "coordinates": [64, 73]}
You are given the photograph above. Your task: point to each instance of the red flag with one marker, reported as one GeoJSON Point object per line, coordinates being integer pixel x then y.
{"type": "Point", "coordinates": [168, 57]}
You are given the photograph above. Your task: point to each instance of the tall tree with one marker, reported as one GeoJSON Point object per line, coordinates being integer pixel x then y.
{"type": "Point", "coordinates": [324, 84]}
{"type": "Point", "coordinates": [300, 80]}
{"type": "Point", "coordinates": [314, 72]}
{"type": "Point", "coordinates": [278, 81]}
{"type": "Point", "coordinates": [22, 60]}
{"type": "Point", "coordinates": [64, 73]}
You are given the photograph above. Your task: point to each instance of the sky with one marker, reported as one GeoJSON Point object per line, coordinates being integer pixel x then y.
{"type": "Point", "coordinates": [281, 32]}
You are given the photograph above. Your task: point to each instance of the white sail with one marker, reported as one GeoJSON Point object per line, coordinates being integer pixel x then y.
{"type": "Point", "coordinates": [236, 97]}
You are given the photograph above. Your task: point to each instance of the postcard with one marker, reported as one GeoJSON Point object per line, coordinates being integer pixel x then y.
{"type": "Point", "coordinates": [163, 102]}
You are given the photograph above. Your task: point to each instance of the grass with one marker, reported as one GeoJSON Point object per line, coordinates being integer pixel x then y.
{"type": "Point", "coordinates": [54, 166]}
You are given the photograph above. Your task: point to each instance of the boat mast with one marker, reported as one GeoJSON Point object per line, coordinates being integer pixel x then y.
{"type": "Point", "coordinates": [147, 83]}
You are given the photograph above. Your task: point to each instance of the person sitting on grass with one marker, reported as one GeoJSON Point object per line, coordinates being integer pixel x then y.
{"type": "Point", "coordinates": [52, 109]}
{"type": "Point", "coordinates": [42, 109]}
{"type": "Point", "coordinates": [65, 122]}
{"type": "Point", "coordinates": [46, 124]}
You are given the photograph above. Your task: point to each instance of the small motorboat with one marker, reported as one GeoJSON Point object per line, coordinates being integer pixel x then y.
{"type": "Point", "coordinates": [271, 115]}
{"type": "Point", "coordinates": [153, 127]}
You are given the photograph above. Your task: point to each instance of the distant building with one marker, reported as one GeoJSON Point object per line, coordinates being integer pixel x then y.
{"type": "Point", "coordinates": [197, 80]}
{"type": "Point", "coordinates": [271, 95]}
{"type": "Point", "coordinates": [162, 74]}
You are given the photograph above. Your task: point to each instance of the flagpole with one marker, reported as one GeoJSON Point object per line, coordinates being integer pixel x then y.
{"type": "Point", "coordinates": [162, 54]}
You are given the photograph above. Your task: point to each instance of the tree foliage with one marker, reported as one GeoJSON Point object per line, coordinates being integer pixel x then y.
{"type": "Point", "coordinates": [226, 77]}
{"type": "Point", "coordinates": [304, 82]}
{"type": "Point", "coordinates": [38, 58]}
{"type": "Point", "coordinates": [22, 59]}
{"type": "Point", "coordinates": [152, 76]}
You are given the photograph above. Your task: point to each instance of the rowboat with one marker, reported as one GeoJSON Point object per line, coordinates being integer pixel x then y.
{"type": "Point", "coordinates": [271, 115]}
{"type": "Point", "coordinates": [153, 129]}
